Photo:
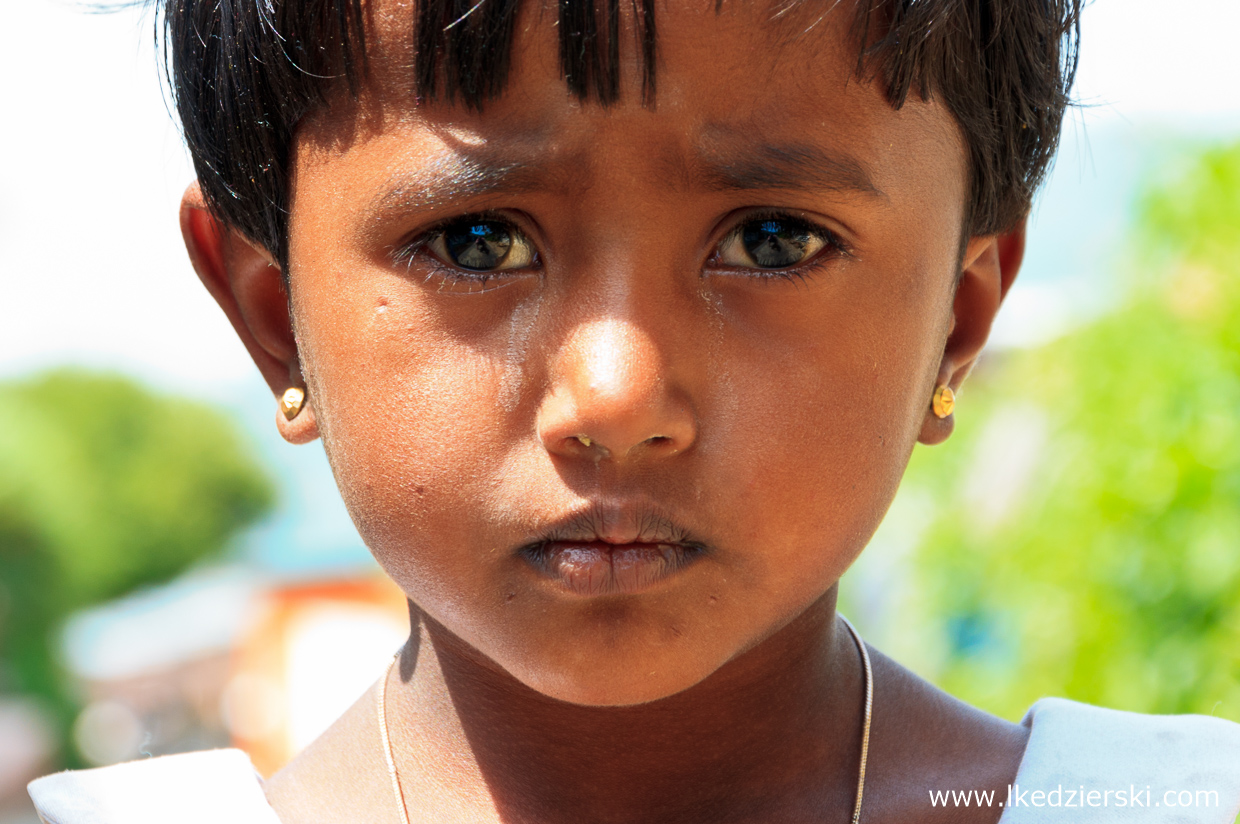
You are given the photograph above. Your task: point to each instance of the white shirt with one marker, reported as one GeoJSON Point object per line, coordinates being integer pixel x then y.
{"type": "Point", "coordinates": [1083, 764]}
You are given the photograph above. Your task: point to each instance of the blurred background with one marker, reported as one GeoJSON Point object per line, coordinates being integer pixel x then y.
{"type": "Point", "coordinates": [174, 576]}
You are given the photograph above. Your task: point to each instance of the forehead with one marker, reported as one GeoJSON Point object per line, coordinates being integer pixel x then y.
{"type": "Point", "coordinates": [749, 95]}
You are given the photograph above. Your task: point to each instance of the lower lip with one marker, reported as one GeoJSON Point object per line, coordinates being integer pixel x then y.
{"type": "Point", "coordinates": [598, 568]}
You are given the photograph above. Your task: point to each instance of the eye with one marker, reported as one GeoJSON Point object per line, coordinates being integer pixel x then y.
{"type": "Point", "coordinates": [773, 242]}
{"type": "Point", "coordinates": [480, 244]}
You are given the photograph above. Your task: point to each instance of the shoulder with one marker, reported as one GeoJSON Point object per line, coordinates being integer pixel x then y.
{"type": "Point", "coordinates": [341, 776]}
{"type": "Point", "coordinates": [192, 788]}
{"type": "Point", "coordinates": [925, 742]}
{"type": "Point", "coordinates": [1117, 764]}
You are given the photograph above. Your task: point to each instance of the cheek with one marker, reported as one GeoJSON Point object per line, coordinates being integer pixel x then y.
{"type": "Point", "coordinates": [811, 410]}
{"type": "Point", "coordinates": [830, 395]}
{"type": "Point", "coordinates": [414, 416]}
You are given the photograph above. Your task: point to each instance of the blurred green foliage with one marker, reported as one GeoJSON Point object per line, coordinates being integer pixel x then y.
{"type": "Point", "coordinates": [104, 487]}
{"type": "Point", "coordinates": [1084, 539]}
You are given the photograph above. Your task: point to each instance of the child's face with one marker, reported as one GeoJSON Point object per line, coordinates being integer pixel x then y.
{"type": "Point", "coordinates": [711, 441]}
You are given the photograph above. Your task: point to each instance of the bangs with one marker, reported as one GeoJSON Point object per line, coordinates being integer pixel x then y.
{"type": "Point", "coordinates": [464, 48]}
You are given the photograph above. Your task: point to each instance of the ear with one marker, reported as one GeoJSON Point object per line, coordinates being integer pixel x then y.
{"type": "Point", "coordinates": [988, 271]}
{"type": "Point", "coordinates": [248, 286]}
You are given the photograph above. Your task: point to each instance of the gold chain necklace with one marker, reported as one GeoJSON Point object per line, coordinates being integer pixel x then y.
{"type": "Point", "coordinates": [865, 729]}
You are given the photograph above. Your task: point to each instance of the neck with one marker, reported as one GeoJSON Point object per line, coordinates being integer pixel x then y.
{"type": "Point", "coordinates": [773, 733]}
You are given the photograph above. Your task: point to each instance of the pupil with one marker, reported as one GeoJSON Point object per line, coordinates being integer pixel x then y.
{"type": "Point", "coordinates": [775, 244]}
{"type": "Point", "coordinates": [478, 246]}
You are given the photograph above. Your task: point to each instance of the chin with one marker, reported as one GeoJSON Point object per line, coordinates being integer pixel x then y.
{"type": "Point", "coordinates": [616, 675]}
{"type": "Point", "coordinates": [611, 688]}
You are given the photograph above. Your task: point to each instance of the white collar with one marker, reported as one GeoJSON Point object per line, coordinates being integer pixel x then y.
{"type": "Point", "coordinates": [1155, 768]}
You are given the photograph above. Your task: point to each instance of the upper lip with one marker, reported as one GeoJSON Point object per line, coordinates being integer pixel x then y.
{"type": "Point", "coordinates": [616, 523]}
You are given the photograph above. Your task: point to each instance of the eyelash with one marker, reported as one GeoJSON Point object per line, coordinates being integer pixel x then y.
{"type": "Point", "coordinates": [417, 248]}
{"type": "Point", "coordinates": [834, 247]}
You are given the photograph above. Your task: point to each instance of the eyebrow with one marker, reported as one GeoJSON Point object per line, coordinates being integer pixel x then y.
{"type": "Point", "coordinates": [447, 179]}
{"type": "Point", "coordinates": [793, 166]}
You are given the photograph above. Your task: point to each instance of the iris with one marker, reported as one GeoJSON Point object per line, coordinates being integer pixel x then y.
{"type": "Point", "coordinates": [477, 245]}
{"type": "Point", "coordinates": [775, 244]}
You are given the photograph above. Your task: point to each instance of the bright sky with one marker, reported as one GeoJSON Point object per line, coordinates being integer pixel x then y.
{"type": "Point", "coordinates": [1173, 61]}
{"type": "Point", "coordinates": [91, 265]}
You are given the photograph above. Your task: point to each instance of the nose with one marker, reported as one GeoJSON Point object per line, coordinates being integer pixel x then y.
{"type": "Point", "coordinates": [612, 397]}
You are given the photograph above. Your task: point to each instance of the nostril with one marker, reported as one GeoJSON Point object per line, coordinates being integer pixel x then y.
{"type": "Point", "coordinates": [585, 445]}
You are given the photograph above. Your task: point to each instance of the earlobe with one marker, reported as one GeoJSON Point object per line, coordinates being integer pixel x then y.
{"type": "Point", "coordinates": [295, 418]}
{"type": "Point", "coordinates": [249, 287]}
{"type": "Point", "coordinates": [988, 270]}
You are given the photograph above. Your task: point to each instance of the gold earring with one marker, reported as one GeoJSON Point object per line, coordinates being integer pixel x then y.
{"type": "Point", "coordinates": [291, 401]}
{"type": "Point", "coordinates": [944, 401]}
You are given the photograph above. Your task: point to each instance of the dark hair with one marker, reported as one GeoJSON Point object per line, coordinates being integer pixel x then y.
{"type": "Point", "coordinates": [244, 73]}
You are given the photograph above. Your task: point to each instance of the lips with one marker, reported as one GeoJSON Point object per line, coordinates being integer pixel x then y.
{"type": "Point", "coordinates": [599, 568]}
{"type": "Point", "coordinates": [612, 550]}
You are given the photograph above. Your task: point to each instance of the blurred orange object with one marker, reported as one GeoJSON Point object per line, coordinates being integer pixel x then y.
{"type": "Point", "coordinates": [312, 651]}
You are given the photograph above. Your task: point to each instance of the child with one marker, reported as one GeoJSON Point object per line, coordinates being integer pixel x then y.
{"type": "Point", "coordinates": [619, 324]}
